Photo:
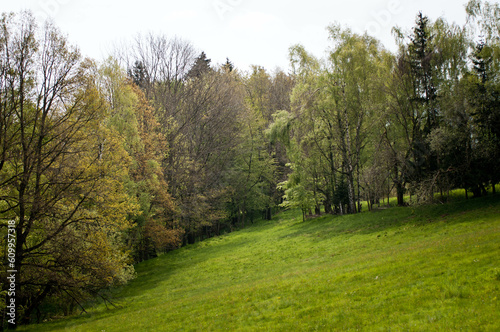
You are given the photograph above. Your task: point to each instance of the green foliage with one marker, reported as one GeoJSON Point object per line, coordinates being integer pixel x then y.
{"type": "Point", "coordinates": [130, 116]}
{"type": "Point", "coordinates": [297, 192]}
{"type": "Point", "coordinates": [483, 16]}
{"type": "Point", "coordinates": [200, 67]}
{"type": "Point", "coordinates": [326, 131]}
{"type": "Point", "coordinates": [61, 172]}
{"type": "Point", "coordinates": [279, 130]}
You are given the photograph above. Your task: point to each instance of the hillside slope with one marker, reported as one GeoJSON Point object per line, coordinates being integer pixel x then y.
{"type": "Point", "coordinates": [419, 269]}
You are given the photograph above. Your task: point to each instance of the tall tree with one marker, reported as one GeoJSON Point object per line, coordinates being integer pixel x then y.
{"type": "Point", "coordinates": [131, 115]}
{"type": "Point", "coordinates": [417, 81]}
{"type": "Point", "coordinates": [61, 173]}
{"type": "Point", "coordinates": [265, 94]}
{"type": "Point", "coordinates": [483, 97]}
{"type": "Point", "coordinates": [200, 67]}
{"type": "Point", "coordinates": [356, 62]}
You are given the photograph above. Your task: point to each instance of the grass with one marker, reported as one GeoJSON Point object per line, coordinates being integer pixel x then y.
{"type": "Point", "coordinates": [427, 268]}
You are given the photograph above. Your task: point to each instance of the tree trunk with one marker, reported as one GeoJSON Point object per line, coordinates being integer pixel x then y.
{"type": "Point", "coordinates": [352, 196]}
{"type": "Point", "coordinates": [35, 303]}
{"type": "Point", "coordinates": [400, 193]}
{"type": "Point", "coordinates": [14, 297]}
{"type": "Point", "coordinates": [328, 206]}
{"type": "Point", "coordinates": [269, 214]}
{"type": "Point", "coordinates": [359, 188]}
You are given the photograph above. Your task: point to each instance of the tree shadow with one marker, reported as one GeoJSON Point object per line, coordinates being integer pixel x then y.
{"type": "Point", "coordinates": [381, 220]}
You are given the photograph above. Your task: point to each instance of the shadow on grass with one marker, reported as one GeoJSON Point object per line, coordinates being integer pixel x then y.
{"type": "Point", "coordinates": [328, 226]}
{"type": "Point", "coordinates": [150, 275]}
{"type": "Point", "coordinates": [153, 272]}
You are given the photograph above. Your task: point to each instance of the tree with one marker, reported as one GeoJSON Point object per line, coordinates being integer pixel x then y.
{"type": "Point", "coordinates": [228, 66]}
{"type": "Point", "coordinates": [210, 139]}
{"type": "Point", "coordinates": [483, 97]}
{"type": "Point", "coordinates": [483, 16]}
{"type": "Point", "coordinates": [265, 94]}
{"type": "Point", "coordinates": [292, 130]}
{"type": "Point", "coordinates": [415, 112]}
{"type": "Point", "coordinates": [420, 57]}
{"type": "Point", "coordinates": [253, 171]}
{"type": "Point", "coordinates": [198, 118]}
{"type": "Point", "coordinates": [317, 129]}
{"type": "Point", "coordinates": [330, 105]}
{"type": "Point", "coordinates": [200, 67]}
{"type": "Point", "coordinates": [356, 62]}
{"type": "Point", "coordinates": [131, 115]}
{"type": "Point", "coordinates": [298, 188]}
{"type": "Point", "coordinates": [159, 66]}
{"type": "Point", "coordinates": [61, 170]}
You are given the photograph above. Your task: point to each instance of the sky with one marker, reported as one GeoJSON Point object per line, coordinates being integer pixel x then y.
{"type": "Point", "coordinates": [248, 32]}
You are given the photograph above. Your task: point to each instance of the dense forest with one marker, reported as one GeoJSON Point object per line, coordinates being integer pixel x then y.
{"type": "Point", "coordinates": [106, 164]}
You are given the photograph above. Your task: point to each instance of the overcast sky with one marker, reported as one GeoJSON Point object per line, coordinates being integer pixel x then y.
{"type": "Point", "coordinates": [246, 31]}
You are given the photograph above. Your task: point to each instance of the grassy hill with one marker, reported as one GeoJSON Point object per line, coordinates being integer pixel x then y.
{"type": "Point", "coordinates": [418, 269]}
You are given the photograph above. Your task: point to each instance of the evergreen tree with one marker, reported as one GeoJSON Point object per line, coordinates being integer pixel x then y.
{"type": "Point", "coordinates": [138, 74]}
{"type": "Point", "coordinates": [484, 100]}
{"type": "Point", "coordinates": [421, 56]}
{"type": "Point", "coordinates": [200, 67]}
{"type": "Point", "coordinates": [228, 66]}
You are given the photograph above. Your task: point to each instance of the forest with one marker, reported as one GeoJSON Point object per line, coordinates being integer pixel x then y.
{"type": "Point", "coordinates": [107, 164]}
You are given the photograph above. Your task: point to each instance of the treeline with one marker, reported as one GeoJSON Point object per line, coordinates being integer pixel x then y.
{"type": "Point", "coordinates": [103, 165]}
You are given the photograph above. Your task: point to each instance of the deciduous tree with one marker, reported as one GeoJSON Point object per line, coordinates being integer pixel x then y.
{"type": "Point", "coordinates": [61, 170]}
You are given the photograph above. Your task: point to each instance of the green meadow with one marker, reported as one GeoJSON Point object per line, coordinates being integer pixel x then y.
{"type": "Point", "coordinates": [428, 268]}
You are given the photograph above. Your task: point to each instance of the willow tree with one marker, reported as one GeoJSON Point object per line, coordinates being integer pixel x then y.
{"type": "Point", "coordinates": [291, 128]}
{"type": "Point", "coordinates": [265, 93]}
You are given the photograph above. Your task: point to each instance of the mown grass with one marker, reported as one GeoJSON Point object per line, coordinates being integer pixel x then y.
{"type": "Point", "coordinates": [427, 268]}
